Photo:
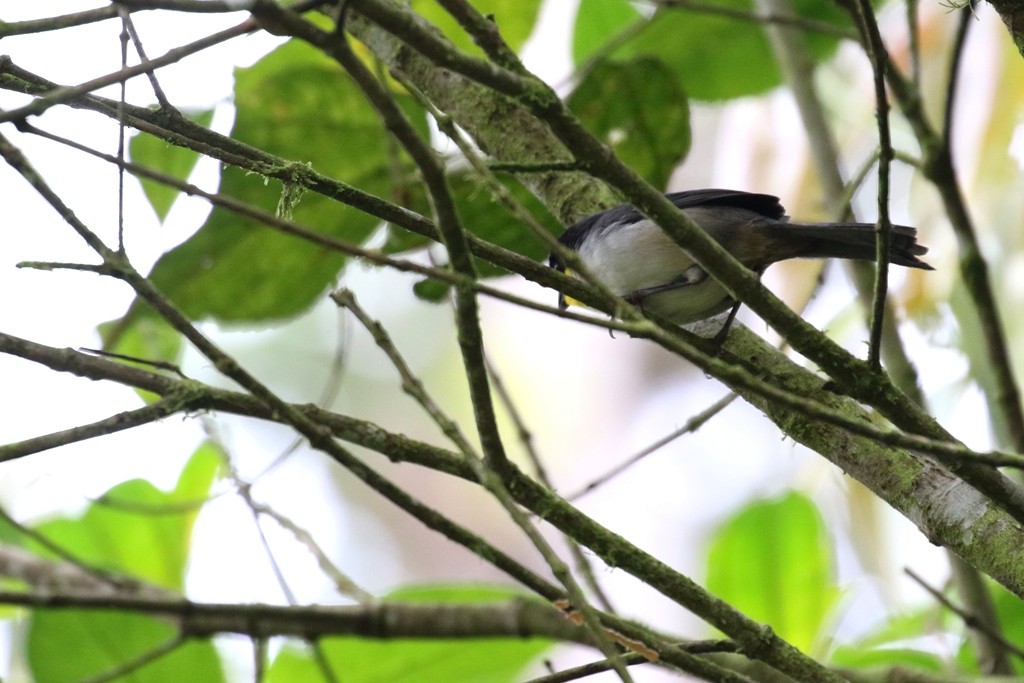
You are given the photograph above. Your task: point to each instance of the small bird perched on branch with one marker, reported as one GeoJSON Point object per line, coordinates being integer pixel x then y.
{"type": "Point", "coordinates": [639, 262]}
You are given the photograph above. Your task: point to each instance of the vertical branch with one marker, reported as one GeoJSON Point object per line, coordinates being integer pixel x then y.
{"type": "Point", "coordinates": [120, 130]}
{"type": "Point", "coordinates": [865, 16]}
{"type": "Point", "coordinates": [937, 165]}
{"type": "Point", "coordinates": [791, 51]}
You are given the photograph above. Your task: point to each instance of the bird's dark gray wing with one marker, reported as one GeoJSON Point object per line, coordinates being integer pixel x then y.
{"type": "Point", "coordinates": [764, 204]}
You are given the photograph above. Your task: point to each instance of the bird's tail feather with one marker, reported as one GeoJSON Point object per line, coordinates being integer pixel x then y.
{"type": "Point", "coordinates": [857, 241]}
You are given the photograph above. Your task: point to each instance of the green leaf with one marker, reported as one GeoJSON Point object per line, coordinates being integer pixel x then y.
{"type": "Point", "coordinates": [888, 657]}
{"type": "Point", "coordinates": [1010, 612]}
{"type": "Point", "coordinates": [68, 646]}
{"type": "Point", "coordinates": [902, 627]}
{"type": "Point", "coordinates": [773, 562]}
{"type": "Point", "coordinates": [177, 162]}
{"type": "Point", "coordinates": [198, 475]}
{"type": "Point", "coordinates": [138, 530]}
{"type": "Point", "coordinates": [299, 105]}
{"type": "Point", "coordinates": [1010, 616]}
{"type": "Point", "coordinates": [722, 57]}
{"type": "Point", "coordinates": [639, 110]}
{"type": "Point", "coordinates": [597, 21]}
{"type": "Point", "coordinates": [514, 18]}
{"type": "Point", "coordinates": [433, 291]}
{"type": "Point", "coordinates": [489, 660]}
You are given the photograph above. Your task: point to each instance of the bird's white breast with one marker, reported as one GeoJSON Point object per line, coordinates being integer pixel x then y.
{"type": "Point", "coordinates": [637, 256]}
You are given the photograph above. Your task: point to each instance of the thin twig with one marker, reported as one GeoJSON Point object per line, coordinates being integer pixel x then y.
{"type": "Point", "coordinates": [864, 14]}
{"type": "Point", "coordinates": [582, 562]}
{"type": "Point", "coordinates": [245, 492]}
{"type": "Point", "coordinates": [58, 23]}
{"type": "Point", "coordinates": [132, 666]}
{"type": "Point", "coordinates": [154, 83]}
{"type": "Point", "coordinates": [343, 583]}
{"type": "Point", "coordinates": [694, 648]}
{"type": "Point", "coordinates": [123, 89]}
{"type": "Point", "coordinates": [411, 384]}
{"type": "Point", "coordinates": [969, 619]}
{"type": "Point", "coordinates": [692, 425]}
{"type": "Point", "coordinates": [62, 95]}
{"type": "Point", "coordinates": [154, 412]}
{"type": "Point", "coordinates": [158, 364]}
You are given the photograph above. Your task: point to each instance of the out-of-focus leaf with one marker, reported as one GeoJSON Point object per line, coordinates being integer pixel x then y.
{"type": "Point", "coordinates": [888, 657]}
{"type": "Point", "coordinates": [433, 291]}
{"type": "Point", "coordinates": [901, 627]}
{"type": "Point", "coordinates": [1010, 612]}
{"type": "Point", "coordinates": [198, 475]}
{"type": "Point", "coordinates": [297, 104]}
{"type": "Point", "coordinates": [773, 562]}
{"type": "Point", "coordinates": [639, 110]}
{"type": "Point", "coordinates": [70, 646]}
{"type": "Point", "coordinates": [597, 21]}
{"type": "Point", "coordinates": [137, 530]}
{"type": "Point", "coordinates": [514, 18]}
{"type": "Point", "coordinates": [1010, 615]}
{"type": "Point", "coordinates": [177, 162]}
{"type": "Point", "coordinates": [490, 660]}
{"type": "Point", "coordinates": [721, 57]}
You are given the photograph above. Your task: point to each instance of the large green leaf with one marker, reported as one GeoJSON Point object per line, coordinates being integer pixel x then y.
{"type": "Point", "coordinates": [596, 22]}
{"type": "Point", "coordinates": [71, 646]}
{"type": "Point", "coordinates": [514, 18]}
{"type": "Point", "coordinates": [299, 105]}
{"type": "Point", "coordinates": [721, 57]}
{"type": "Point", "coordinates": [889, 657]}
{"type": "Point", "coordinates": [361, 660]}
{"type": "Point", "coordinates": [639, 110]}
{"type": "Point", "coordinates": [137, 530]}
{"type": "Point", "coordinates": [177, 162]}
{"type": "Point", "coordinates": [773, 562]}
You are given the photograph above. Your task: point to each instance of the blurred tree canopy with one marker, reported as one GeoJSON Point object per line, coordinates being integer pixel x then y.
{"type": "Point", "coordinates": [409, 138]}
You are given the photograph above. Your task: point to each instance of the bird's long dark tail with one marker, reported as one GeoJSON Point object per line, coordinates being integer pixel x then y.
{"type": "Point", "coordinates": [857, 241]}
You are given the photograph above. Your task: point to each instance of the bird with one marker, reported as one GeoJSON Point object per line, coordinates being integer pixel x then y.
{"type": "Point", "coordinates": [638, 261]}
